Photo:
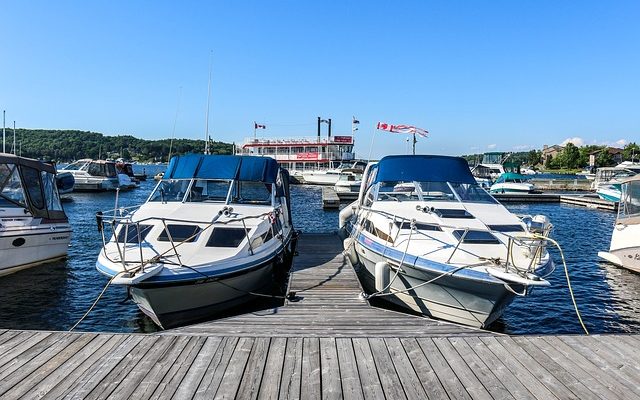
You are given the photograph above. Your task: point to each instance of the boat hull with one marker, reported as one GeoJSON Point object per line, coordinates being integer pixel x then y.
{"type": "Point", "coordinates": [20, 249]}
{"type": "Point", "coordinates": [320, 178]}
{"type": "Point", "coordinates": [175, 305]}
{"type": "Point", "coordinates": [461, 300]}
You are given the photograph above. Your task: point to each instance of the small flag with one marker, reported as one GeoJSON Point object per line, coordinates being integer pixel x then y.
{"type": "Point", "coordinates": [383, 126]}
{"type": "Point", "coordinates": [258, 126]}
{"type": "Point", "coordinates": [355, 121]}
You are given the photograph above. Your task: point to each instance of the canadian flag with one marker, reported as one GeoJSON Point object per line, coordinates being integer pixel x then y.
{"type": "Point", "coordinates": [383, 126]}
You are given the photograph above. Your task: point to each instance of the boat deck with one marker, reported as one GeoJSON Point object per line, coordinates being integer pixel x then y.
{"type": "Point", "coordinates": [328, 345]}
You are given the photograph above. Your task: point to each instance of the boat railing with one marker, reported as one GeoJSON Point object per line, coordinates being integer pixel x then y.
{"type": "Point", "coordinates": [111, 219]}
{"type": "Point", "coordinates": [535, 243]}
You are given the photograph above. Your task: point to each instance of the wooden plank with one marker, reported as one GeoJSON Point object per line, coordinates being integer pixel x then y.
{"type": "Point", "coordinates": [171, 380]}
{"type": "Point", "coordinates": [490, 382]}
{"type": "Point", "coordinates": [15, 346]}
{"type": "Point", "coordinates": [430, 382]}
{"type": "Point", "coordinates": [290, 383]}
{"type": "Point", "coordinates": [330, 372]}
{"type": "Point", "coordinates": [198, 369]}
{"type": "Point", "coordinates": [93, 375]}
{"type": "Point", "coordinates": [212, 378]}
{"type": "Point", "coordinates": [310, 388]}
{"type": "Point", "coordinates": [515, 366]}
{"type": "Point", "coordinates": [556, 370]}
{"type": "Point", "coordinates": [39, 371]}
{"type": "Point", "coordinates": [250, 384]}
{"type": "Point", "coordinates": [77, 370]}
{"type": "Point", "coordinates": [536, 368]}
{"type": "Point", "coordinates": [568, 364]}
{"type": "Point", "coordinates": [36, 355]}
{"type": "Point", "coordinates": [231, 379]}
{"type": "Point", "coordinates": [495, 364]}
{"type": "Point", "coordinates": [134, 379]}
{"type": "Point", "coordinates": [408, 377]}
{"type": "Point", "coordinates": [448, 379]}
{"type": "Point", "coordinates": [351, 386]}
{"type": "Point", "coordinates": [371, 385]}
{"type": "Point", "coordinates": [620, 386]}
{"type": "Point", "coordinates": [272, 375]}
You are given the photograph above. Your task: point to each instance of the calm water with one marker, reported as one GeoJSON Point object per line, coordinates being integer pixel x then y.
{"type": "Point", "coordinates": [55, 296]}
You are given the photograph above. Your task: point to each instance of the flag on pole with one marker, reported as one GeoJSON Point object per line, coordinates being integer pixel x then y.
{"type": "Point", "coordinates": [354, 123]}
{"type": "Point", "coordinates": [383, 126]}
{"type": "Point", "coordinates": [258, 126]}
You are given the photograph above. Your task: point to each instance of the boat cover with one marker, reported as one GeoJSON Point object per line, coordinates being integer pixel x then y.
{"type": "Point", "coordinates": [244, 168]}
{"type": "Point", "coordinates": [511, 176]}
{"type": "Point", "coordinates": [424, 168]}
{"type": "Point", "coordinates": [6, 158]}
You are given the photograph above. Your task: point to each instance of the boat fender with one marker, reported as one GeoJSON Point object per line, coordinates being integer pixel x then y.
{"type": "Point", "coordinates": [350, 250]}
{"type": "Point", "coordinates": [346, 214]}
{"type": "Point", "coordinates": [99, 221]}
{"type": "Point", "coordinates": [382, 276]}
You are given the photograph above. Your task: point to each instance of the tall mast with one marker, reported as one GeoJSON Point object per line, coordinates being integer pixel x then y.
{"type": "Point", "coordinates": [14, 138]}
{"type": "Point", "coordinates": [3, 133]}
{"type": "Point", "coordinates": [206, 137]}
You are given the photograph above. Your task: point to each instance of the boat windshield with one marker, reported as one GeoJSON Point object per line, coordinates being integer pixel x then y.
{"type": "Point", "coordinates": [246, 192]}
{"type": "Point", "coordinates": [75, 166]}
{"type": "Point", "coordinates": [433, 191]}
{"type": "Point", "coordinates": [11, 194]}
{"type": "Point", "coordinates": [209, 190]}
{"type": "Point", "coordinates": [170, 190]}
{"type": "Point", "coordinates": [630, 200]}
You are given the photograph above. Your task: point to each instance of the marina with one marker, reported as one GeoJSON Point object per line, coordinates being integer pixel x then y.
{"type": "Point", "coordinates": [298, 354]}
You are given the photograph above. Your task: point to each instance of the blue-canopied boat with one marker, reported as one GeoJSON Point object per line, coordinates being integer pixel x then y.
{"type": "Point", "coordinates": [207, 238]}
{"type": "Point", "coordinates": [428, 238]}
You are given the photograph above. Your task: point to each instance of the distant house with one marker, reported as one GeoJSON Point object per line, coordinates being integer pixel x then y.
{"type": "Point", "coordinates": [616, 155]}
{"type": "Point", "coordinates": [549, 152]}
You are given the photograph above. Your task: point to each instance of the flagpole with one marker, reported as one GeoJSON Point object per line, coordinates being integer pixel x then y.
{"type": "Point", "coordinates": [414, 143]}
{"type": "Point", "coordinates": [14, 138]}
{"type": "Point", "coordinates": [3, 131]}
{"type": "Point", "coordinates": [255, 128]}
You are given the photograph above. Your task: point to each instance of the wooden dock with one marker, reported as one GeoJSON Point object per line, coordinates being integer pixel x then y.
{"type": "Point", "coordinates": [329, 198]}
{"type": "Point", "coordinates": [327, 345]}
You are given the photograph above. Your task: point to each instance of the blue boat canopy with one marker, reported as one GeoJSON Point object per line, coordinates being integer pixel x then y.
{"type": "Point", "coordinates": [424, 168]}
{"type": "Point", "coordinates": [244, 168]}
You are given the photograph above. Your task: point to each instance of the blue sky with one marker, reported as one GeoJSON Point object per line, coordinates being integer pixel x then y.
{"type": "Point", "coordinates": [503, 75]}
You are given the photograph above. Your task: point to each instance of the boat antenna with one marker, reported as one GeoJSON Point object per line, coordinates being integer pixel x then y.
{"type": "Point", "coordinates": [14, 138]}
{"type": "Point", "coordinates": [206, 137]}
{"type": "Point", "coordinates": [3, 133]}
{"type": "Point", "coordinates": [175, 121]}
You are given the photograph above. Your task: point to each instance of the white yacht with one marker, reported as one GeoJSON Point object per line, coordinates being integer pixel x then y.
{"type": "Point", "coordinates": [429, 239]}
{"type": "Point", "coordinates": [349, 181]}
{"type": "Point", "coordinates": [625, 238]}
{"type": "Point", "coordinates": [608, 180]}
{"type": "Point", "coordinates": [208, 237]}
{"type": "Point", "coordinates": [33, 225]}
{"type": "Point", "coordinates": [513, 183]}
{"type": "Point", "coordinates": [97, 175]}
{"type": "Point", "coordinates": [330, 176]}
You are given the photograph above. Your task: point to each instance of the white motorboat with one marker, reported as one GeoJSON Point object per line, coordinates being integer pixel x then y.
{"type": "Point", "coordinates": [34, 228]}
{"type": "Point", "coordinates": [97, 175]}
{"type": "Point", "coordinates": [607, 182]}
{"type": "Point", "coordinates": [330, 176]}
{"type": "Point", "coordinates": [510, 182]}
{"type": "Point", "coordinates": [624, 250]}
{"type": "Point", "coordinates": [349, 181]}
{"type": "Point", "coordinates": [429, 239]}
{"type": "Point", "coordinates": [207, 238]}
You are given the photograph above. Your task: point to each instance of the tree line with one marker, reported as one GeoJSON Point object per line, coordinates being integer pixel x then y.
{"type": "Point", "coordinates": [571, 157]}
{"type": "Point", "coordinates": [70, 145]}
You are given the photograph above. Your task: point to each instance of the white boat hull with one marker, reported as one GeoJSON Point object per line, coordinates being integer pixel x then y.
{"type": "Point", "coordinates": [625, 247]}
{"type": "Point", "coordinates": [174, 305]}
{"type": "Point", "coordinates": [320, 178]}
{"type": "Point", "coordinates": [23, 248]}
{"type": "Point", "coordinates": [463, 301]}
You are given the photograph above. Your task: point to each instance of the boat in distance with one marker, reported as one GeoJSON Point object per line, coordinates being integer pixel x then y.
{"type": "Point", "coordinates": [624, 250]}
{"type": "Point", "coordinates": [34, 228]}
{"type": "Point", "coordinates": [427, 237]}
{"type": "Point", "coordinates": [208, 238]}
{"type": "Point", "coordinates": [511, 182]}
{"type": "Point", "coordinates": [97, 176]}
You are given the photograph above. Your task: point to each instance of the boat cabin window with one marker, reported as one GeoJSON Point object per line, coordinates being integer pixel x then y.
{"type": "Point", "coordinates": [51, 192]}
{"type": "Point", "coordinates": [75, 166]}
{"type": "Point", "coordinates": [506, 228]}
{"type": "Point", "coordinates": [132, 233]}
{"type": "Point", "coordinates": [170, 190]}
{"type": "Point", "coordinates": [226, 237]}
{"type": "Point", "coordinates": [439, 191]}
{"type": "Point", "coordinates": [180, 233]}
{"type": "Point", "coordinates": [102, 169]}
{"type": "Point", "coordinates": [34, 186]}
{"type": "Point", "coordinates": [476, 237]}
{"type": "Point", "coordinates": [207, 190]}
{"type": "Point", "coordinates": [245, 192]}
{"type": "Point", "coordinates": [11, 194]}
